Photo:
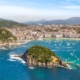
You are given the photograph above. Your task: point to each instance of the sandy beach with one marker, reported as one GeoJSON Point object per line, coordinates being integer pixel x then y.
{"type": "Point", "coordinates": [63, 38]}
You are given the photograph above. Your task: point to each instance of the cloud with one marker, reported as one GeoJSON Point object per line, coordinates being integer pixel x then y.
{"type": "Point", "coordinates": [72, 7]}
{"type": "Point", "coordinates": [22, 14]}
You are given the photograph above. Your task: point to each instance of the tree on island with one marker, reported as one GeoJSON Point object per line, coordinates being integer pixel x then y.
{"type": "Point", "coordinates": [41, 56]}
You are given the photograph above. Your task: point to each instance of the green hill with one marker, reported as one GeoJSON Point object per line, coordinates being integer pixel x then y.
{"type": "Point", "coordinates": [40, 54]}
{"type": "Point", "coordinates": [8, 23]}
{"type": "Point", "coordinates": [6, 36]}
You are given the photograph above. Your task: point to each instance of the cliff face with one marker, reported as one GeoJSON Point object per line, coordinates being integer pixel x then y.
{"type": "Point", "coordinates": [40, 59]}
{"type": "Point", "coordinates": [31, 62]}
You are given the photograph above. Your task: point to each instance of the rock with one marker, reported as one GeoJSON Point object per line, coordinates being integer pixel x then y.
{"type": "Point", "coordinates": [41, 56]}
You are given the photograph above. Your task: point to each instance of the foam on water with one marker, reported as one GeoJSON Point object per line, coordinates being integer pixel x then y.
{"type": "Point", "coordinates": [55, 44]}
{"type": "Point", "coordinates": [54, 50]}
{"type": "Point", "coordinates": [24, 46]}
{"type": "Point", "coordinates": [13, 58]}
{"type": "Point", "coordinates": [78, 65]}
{"type": "Point", "coordinates": [68, 44]}
{"type": "Point", "coordinates": [4, 48]}
{"type": "Point", "coordinates": [71, 54]}
{"type": "Point", "coordinates": [74, 56]}
{"type": "Point", "coordinates": [73, 43]}
{"type": "Point", "coordinates": [31, 67]}
{"type": "Point", "coordinates": [59, 44]}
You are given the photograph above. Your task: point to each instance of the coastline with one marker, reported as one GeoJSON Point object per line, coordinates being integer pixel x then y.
{"type": "Point", "coordinates": [18, 43]}
{"type": "Point", "coordinates": [53, 38]}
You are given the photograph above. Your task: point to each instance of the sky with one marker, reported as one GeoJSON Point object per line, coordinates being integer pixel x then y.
{"type": "Point", "coordinates": [34, 10]}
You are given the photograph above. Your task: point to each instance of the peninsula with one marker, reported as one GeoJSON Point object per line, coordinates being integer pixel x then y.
{"type": "Point", "coordinates": [42, 56]}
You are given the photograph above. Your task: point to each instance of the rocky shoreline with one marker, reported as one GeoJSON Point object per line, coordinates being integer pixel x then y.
{"type": "Point", "coordinates": [17, 43]}
{"type": "Point", "coordinates": [42, 60]}
{"type": "Point", "coordinates": [32, 63]}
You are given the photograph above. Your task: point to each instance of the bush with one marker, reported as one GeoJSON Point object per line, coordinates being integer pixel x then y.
{"type": "Point", "coordinates": [5, 35]}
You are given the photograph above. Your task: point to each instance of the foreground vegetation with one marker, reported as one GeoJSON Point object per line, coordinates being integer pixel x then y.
{"type": "Point", "coordinates": [6, 36]}
{"type": "Point", "coordinates": [10, 24]}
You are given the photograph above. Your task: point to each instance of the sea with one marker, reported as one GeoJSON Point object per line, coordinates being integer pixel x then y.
{"type": "Point", "coordinates": [68, 50]}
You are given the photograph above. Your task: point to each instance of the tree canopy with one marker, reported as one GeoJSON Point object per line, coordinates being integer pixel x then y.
{"type": "Point", "coordinates": [40, 53]}
{"type": "Point", "coordinates": [6, 36]}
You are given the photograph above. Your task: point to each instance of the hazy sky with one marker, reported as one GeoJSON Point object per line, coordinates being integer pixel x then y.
{"type": "Point", "coordinates": [32, 10]}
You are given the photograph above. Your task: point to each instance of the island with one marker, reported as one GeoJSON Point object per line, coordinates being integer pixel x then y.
{"type": "Point", "coordinates": [42, 56]}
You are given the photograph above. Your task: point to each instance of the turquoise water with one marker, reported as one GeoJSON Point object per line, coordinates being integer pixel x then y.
{"type": "Point", "coordinates": [16, 69]}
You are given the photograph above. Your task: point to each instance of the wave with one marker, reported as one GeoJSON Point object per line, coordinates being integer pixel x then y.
{"type": "Point", "coordinates": [68, 44]}
{"type": "Point", "coordinates": [24, 46]}
{"type": "Point", "coordinates": [13, 58]}
{"type": "Point", "coordinates": [78, 65]}
{"type": "Point", "coordinates": [69, 67]}
{"type": "Point", "coordinates": [31, 67]}
{"type": "Point", "coordinates": [4, 48]}
{"type": "Point", "coordinates": [73, 43]}
{"type": "Point", "coordinates": [74, 56]}
{"type": "Point", "coordinates": [54, 50]}
{"type": "Point", "coordinates": [55, 44]}
{"type": "Point", "coordinates": [49, 42]}
{"type": "Point", "coordinates": [65, 59]}
{"type": "Point", "coordinates": [60, 44]}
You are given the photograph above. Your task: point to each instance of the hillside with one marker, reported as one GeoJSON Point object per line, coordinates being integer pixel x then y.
{"type": "Point", "coordinates": [70, 21]}
{"type": "Point", "coordinates": [10, 23]}
{"type": "Point", "coordinates": [41, 56]}
{"type": "Point", "coordinates": [6, 36]}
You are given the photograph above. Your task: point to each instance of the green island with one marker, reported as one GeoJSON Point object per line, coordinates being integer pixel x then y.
{"type": "Point", "coordinates": [41, 56]}
{"type": "Point", "coordinates": [6, 36]}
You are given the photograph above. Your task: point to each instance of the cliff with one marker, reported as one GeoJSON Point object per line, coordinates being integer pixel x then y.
{"type": "Point", "coordinates": [41, 56]}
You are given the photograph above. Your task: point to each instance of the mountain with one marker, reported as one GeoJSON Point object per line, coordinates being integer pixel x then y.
{"type": "Point", "coordinates": [1, 19]}
{"type": "Point", "coordinates": [36, 22]}
{"type": "Point", "coordinates": [10, 23]}
{"type": "Point", "coordinates": [72, 21]}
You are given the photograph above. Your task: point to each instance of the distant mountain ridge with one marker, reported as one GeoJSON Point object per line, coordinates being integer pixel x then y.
{"type": "Point", "coordinates": [70, 21]}
{"type": "Point", "coordinates": [11, 23]}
